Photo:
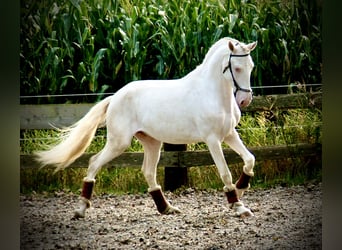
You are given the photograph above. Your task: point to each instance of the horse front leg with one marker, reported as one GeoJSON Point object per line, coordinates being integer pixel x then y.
{"type": "Point", "coordinates": [149, 169]}
{"type": "Point", "coordinates": [235, 143]}
{"type": "Point", "coordinates": [229, 188]}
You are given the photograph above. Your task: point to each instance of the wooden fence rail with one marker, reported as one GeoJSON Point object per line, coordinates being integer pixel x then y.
{"type": "Point", "coordinates": [175, 158]}
{"type": "Point", "coordinates": [193, 158]}
{"type": "Point", "coordinates": [59, 115]}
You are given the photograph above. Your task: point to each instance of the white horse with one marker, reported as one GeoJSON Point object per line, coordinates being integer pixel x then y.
{"type": "Point", "coordinates": [200, 107]}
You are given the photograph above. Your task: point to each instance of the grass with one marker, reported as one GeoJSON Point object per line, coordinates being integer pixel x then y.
{"type": "Point", "coordinates": [258, 129]}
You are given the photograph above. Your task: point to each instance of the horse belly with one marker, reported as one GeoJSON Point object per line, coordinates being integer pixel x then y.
{"type": "Point", "coordinates": [171, 126]}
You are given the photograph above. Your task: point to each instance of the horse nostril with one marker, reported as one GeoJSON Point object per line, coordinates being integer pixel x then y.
{"type": "Point", "coordinates": [242, 103]}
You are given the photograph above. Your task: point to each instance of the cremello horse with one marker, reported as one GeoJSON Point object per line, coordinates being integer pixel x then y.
{"type": "Point", "coordinates": [201, 106]}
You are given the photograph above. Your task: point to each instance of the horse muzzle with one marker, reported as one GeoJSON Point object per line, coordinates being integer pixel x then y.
{"type": "Point", "coordinates": [243, 99]}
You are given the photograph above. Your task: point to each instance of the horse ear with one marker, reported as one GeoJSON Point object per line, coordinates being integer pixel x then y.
{"type": "Point", "coordinates": [252, 46]}
{"type": "Point", "coordinates": [231, 46]}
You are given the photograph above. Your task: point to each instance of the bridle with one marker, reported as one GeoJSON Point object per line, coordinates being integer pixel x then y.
{"type": "Point", "coordinates": [229, 66]}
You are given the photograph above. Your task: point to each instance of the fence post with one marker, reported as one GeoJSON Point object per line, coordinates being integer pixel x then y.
{"type": "Point", "coordinates": [177, 175]}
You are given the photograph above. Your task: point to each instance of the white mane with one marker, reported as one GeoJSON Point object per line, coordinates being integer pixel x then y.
{"type": "Point", "coordinates": [220, 47]}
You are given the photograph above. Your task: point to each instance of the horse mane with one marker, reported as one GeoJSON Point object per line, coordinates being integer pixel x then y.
{"type": "Point", "coordinates": [214, 47]}
{"type": "Point", "coordinates": [222, 42]}
{"type": "Point", "coordinates": [219, 45]}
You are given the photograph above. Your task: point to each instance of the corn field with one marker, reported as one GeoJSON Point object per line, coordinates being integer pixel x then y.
{"type": "Point", "coordinates": [97, 46]}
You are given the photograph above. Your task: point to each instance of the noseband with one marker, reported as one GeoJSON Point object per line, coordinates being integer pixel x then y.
{"type": "Point", "coordinates": [229, 66]}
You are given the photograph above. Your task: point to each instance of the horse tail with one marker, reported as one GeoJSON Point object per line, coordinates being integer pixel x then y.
{"type": "Point", "coordinates": [75, 139]}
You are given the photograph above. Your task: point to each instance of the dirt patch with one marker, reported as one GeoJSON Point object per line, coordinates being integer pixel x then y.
{"type": "Point", "coordinates": [285, 218]}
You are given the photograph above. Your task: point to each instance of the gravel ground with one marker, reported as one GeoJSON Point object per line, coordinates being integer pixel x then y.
{"type": "Point", "coordinates": [285, 218]}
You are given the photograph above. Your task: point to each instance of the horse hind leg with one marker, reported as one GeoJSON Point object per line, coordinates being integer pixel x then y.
{"type": "Point", "coordinates": [149, 169]}
{"type": "Point", "coordinates": [111, 150]}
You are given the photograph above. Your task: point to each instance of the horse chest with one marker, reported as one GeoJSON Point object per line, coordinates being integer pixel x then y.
{"type": "Point", "coordinates": [229, 125]}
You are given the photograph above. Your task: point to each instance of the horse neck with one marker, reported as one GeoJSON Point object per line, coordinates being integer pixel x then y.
{"type": "Point", "coordinates": [209, 78]}
{"type": "Point", "coordinates": [212, 63]}
{"type": "Point", "coordinates": [211, 75]}
{"type": "Point", "coordinates": [211, 68]}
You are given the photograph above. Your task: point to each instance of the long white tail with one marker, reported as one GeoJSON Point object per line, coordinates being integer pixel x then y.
{"type": "Point", "coordinates": [76, 138]}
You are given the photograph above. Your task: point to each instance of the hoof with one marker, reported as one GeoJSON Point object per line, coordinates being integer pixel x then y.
{"type": "Point", "coordinates": [172, 210]}
{"type": "Point", "coordinates": [78, 214]}
{"type": "Point", "coordinates": [83, 205]}
{"type": "Point", "coordinates": [242, 211]}
{"type": "Point", "coordinates": [245, 214]}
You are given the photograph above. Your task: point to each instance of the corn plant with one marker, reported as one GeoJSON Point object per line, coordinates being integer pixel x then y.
{"type": "Point", "coordinates": [98, 46]}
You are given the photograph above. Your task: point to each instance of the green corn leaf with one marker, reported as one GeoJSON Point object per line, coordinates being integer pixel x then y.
{"type": "Point", "coordinates": [95, 69]}
{"type": "Point", "coordinates": [232, 21]}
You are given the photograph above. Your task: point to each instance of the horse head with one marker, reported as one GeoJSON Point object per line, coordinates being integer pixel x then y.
{"type": "Point", "coordinates": [237, 69]}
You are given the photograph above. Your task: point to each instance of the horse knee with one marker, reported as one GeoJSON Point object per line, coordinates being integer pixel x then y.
{"type": "Point", "coordinates": [249, 165]}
